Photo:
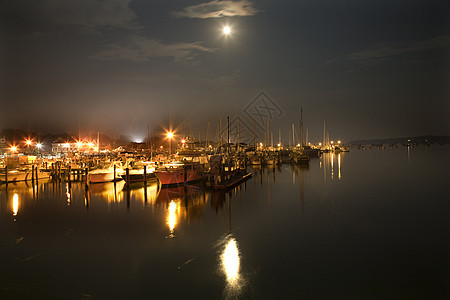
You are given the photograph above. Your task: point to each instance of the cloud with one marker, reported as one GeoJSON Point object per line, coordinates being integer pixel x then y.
{"type": "Point", "coordinates": [141, 49]}
{"type": "Point", "coordinates": [218, 9]}
{"type": "Point", "coordinates": [381, 52]}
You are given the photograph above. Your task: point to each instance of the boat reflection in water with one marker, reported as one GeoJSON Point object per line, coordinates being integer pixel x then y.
{"type": "Point", "coordinates": [107, 191]}
{"type": "Point", "coordinates": [329, 165]}
{"type": "Point", "coordinates": [145, 193]}
{"type": "Point", "coordinates": [17, 194]}
{"type": "Point", "coordinates": [186, 202]}
{"type": "Point", "coordinates": [230, 266]}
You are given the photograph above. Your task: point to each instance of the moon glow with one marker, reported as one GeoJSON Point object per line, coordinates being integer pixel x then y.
{"type": "Point", "coordinates": [226, 30]}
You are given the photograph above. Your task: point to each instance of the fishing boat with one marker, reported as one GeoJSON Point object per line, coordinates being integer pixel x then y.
{"type": "Point", "coordinates": [108, 174]}
{"type": "Point", "coordinates": [303, 160]}
{"type": "Point", "coordinates": [339, 150]}
{"type": "Point", "coordinates": [180, 172]}
{"type": "Point", "coordinates": [137, 174]}
{"type": "Point", "coordinates": [311, 152]}
{"type": "Point", "coordinates": [22, 175]}
{"type": "Point", "coordinates": [225, 173]}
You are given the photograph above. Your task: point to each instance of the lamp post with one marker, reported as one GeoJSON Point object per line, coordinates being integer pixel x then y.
{"type": "Point", "coordinates": [28, 142]}
{"type": "Point", "coordinates": [38, 146]}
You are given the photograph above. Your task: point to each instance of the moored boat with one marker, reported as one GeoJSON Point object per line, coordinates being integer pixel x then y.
{"type": "Point", "coordinates": [303, 159]}
{"type": "Point", "coordinates": [137, 175]}
{"type": "Point", "coordinates": [236, 177]}
{"type": "Point", "coordinates": [111, 173]}
{"type": "Point", "coordinates": [179, 173]}
{"type": "Point", "coordinates": [22, 175]}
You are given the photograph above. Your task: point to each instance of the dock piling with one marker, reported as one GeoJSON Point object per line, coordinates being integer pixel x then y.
{"type": "Point", "coordinates": [145, 175]}
{"type": "Point", "coordinates": [86, 177]}
{"type": "Point", "coordinates": [127, 175]}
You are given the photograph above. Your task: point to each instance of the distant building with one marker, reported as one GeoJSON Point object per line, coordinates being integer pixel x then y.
{"type": "Point", "coordinates": [3, 146]}
{"type": "Point", "coordinates": [61, 147]}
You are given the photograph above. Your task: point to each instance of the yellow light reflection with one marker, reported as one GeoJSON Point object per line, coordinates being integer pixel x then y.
{"type": "Point", "coordinates": [332, 165]}
{"type": "Point", "coordinates": [230, 261]}
{"type": "Point", "coordinates": [172, 217]}
{"type": "Point", "coordinates": [15, 204]}
{"type": "Point", "coordinates": [109, 191]}
{"type": "Point", "coordinates": [339, 166]}
{"type": "Point", "coordinates": [230, 265]}
{"type": "Point", "coordinates": [68, 194]}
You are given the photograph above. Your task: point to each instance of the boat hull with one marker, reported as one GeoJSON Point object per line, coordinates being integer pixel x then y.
{"type": "Point", "coordinates": [101, 177]}
{"type": "Point", "coordinates": [16, 176]}
{"type": "Point", "coordinates": [139, 177]}
{"type": "Point", "coordinates": [233, 181]}
{"type": "Point", "coordinates": [179, 176]}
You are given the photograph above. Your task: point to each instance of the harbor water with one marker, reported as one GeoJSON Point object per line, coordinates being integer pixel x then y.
{"type": "Point", "coordinates": [365, 224]}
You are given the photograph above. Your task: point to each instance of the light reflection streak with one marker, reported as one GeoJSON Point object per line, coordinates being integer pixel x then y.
{"type": "Point", "coordinates": [339, 166]}
{"type": "Point", "coordinates": [174, 209]}
{"type": "Point", "coordinates": [231, 268]}
{"type": "Point", "coordinates": [68, 195]}
{"type": "Point", "coordinates": [230, 261]}
{"type": "Point", "coordinates": [332, 165]}
{"type": "Point", "coordinates": [108, 191]}
{"type": "Point", "coordinates": [15, 206]}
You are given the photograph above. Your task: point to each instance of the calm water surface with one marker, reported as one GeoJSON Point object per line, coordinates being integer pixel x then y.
{"type": "Point", "coordinates": [364, 224]}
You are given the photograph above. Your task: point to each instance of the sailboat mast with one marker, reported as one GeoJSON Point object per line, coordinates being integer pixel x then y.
{"type": "Point", "coordinates": [306, 141]}
{"type": "Point", "coordinates": [220, 130]}
{"type": "Point", "coordinates": [293, 135]}
{"type": "Point", "coordinates": [228, 131]}
{"type": "Point", "coordinates": [238, 133]}
{"type": "Point", "coordinates": [279, 136]}
{"type": "Point", "coordinates": [301, 127]}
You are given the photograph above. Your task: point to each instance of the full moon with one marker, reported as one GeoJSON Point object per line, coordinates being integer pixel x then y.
{"type": "Point", "coordinates": [227, 30]}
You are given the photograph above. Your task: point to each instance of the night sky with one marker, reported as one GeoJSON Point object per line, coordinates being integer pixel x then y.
{"type": "Point", "coordinates": [369, 69]}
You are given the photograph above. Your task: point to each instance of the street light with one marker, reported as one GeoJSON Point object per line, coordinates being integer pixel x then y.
{"type": "Point", "coordinates": [170, 136]}
{"type": "Point", "coordinates": [28, 143]}
{"type": "Point", "coordinates": [39, 146]}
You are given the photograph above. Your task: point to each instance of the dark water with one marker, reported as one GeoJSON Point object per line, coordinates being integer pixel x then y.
{"type": "Point", "coordinates": [364, 224]}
